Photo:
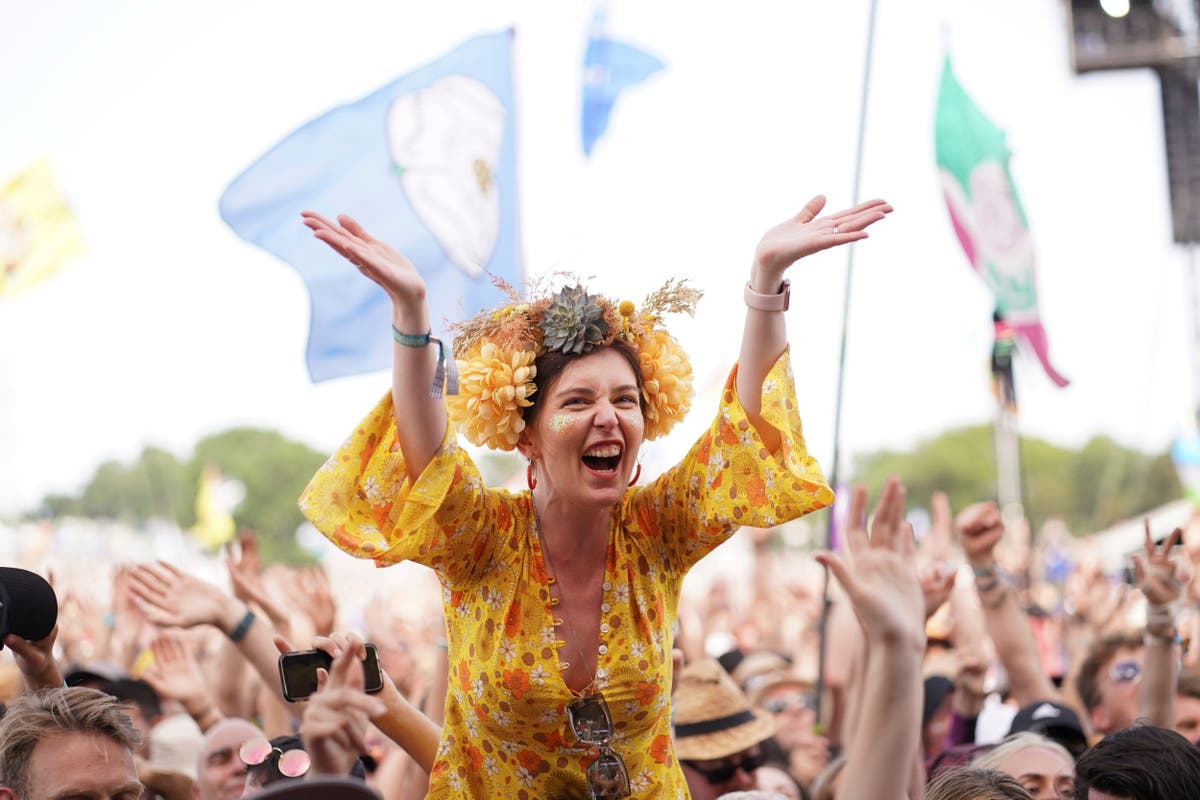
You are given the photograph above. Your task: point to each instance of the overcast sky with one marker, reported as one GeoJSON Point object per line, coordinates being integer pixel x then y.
{"type": "Point", "coordinates": [171, 328]}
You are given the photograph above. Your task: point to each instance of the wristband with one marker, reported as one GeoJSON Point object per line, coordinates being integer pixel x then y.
{"type": "Point", "coordinates": [239, 633]}
{"type": "Point", "coordinates": [447, 368]}
{"type": "Point", "coordinates": [1167, 634]}
{"type": "Point", "coordinates": [769, 302]}
{"type": "Point", "coordinates": [1159, 616]}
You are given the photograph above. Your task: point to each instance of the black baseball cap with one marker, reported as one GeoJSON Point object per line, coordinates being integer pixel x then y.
{"type": "Point", "coordinates": [28, 605]}
{"type": "Point", "coordinates": [1054, 721]}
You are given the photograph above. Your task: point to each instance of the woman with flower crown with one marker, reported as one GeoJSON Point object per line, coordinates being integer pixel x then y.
{"type": "Point", "coordinates": [560, 600]}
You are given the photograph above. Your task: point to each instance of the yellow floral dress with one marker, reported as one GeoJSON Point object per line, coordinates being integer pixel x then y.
{"type": "Point", "coordinates": [506, 732]}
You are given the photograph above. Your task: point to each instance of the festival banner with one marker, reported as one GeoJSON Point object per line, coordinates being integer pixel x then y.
{"type": "Point", "coordinates": [426, 164]}
{"type": "Point", "coordinates": [972, 158]}
{"type": "Point", "coordinates": [610, 66]}
{"type": "Point", "coordinates": [38, 231]}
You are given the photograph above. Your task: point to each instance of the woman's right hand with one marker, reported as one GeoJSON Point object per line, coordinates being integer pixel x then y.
{"type": "Point", "coordinates": [379, 262]}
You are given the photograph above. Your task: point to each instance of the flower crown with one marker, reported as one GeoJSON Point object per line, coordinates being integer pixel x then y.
{"type": "Point", "coordinates": [496, 349]}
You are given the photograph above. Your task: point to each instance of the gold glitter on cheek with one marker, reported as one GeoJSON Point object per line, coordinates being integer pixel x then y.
{"type": "Point", "coordinates": [561, 422]}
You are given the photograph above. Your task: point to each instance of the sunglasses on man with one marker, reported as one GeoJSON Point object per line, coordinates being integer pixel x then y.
{"type": "Point", "coordinates": [722, 770]}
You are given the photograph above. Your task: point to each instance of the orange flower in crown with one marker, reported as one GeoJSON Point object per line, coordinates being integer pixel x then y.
{"type": "Point", "coordinates": [496, 353]}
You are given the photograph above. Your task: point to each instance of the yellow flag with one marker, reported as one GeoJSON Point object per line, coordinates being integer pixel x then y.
{"type": "Point", "coordinates": [214, 522]}
{"type": "Point", "coordinates": [38, 231]}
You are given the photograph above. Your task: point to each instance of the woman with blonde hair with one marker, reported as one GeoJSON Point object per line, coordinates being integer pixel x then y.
{"type": "Point", "coordinates": [1041, 765]}
{"type": "Point", "coordinates": [975, 783]}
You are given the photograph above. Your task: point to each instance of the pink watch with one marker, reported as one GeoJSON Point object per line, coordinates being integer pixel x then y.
{"type": "Point", "coordinates": [769, 302]}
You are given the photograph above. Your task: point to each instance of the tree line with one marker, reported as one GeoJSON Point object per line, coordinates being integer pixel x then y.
{"type": "Point", "coordinates": [1091, 488]}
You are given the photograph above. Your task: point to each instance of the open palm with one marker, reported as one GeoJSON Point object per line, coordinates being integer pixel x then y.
{"type": "Point", "coordinates": [880, 573]}
{"type": "Point", "coordinates": [375, 259]}
{"type": "Point", "coordinates": [806, 233]}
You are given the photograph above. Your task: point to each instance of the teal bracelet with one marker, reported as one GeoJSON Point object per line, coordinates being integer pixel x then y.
{"type": "Point", "coordinates": [447, 368]}
{"type": "Point", "coordinates": [239, 633]}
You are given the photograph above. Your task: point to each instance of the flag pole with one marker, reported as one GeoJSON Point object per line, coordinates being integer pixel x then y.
{"type": "Point", "coordinates": [1007, 442]}
{"type": "Point", "coordinates": [841, 372]}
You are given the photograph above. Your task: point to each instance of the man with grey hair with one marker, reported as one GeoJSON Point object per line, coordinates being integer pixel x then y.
{"type": "Point", "coordinates": [68, 742]}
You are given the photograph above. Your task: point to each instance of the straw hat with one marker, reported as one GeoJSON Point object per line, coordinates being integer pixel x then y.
{"type": "Point", "coordinates": [713, 719]}
{"type": "Point", "coordinates": [751, 670]}
{"type": "Point", "coordinates": [773, 683]}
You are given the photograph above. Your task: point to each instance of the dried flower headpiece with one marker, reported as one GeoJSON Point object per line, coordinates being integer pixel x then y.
{"type": "Point", "coordinates": [496, 349]}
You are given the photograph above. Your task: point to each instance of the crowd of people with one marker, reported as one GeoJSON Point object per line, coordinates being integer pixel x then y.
{"type": "Point", "coordinates": [568, 661]}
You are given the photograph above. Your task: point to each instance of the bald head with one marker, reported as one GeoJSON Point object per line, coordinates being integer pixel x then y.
{"type": "Point", "coordinates": [220, 773]}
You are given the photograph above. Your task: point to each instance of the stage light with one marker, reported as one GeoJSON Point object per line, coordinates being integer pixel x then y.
{"type": "Point", "coordinates": [1115, 8]}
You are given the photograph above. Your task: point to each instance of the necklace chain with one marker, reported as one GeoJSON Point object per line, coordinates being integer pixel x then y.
{"type": "Point", "coordinates": [537, 527]}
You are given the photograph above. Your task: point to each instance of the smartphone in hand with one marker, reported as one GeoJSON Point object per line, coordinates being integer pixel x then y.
{"type": "Point", "coordinates": [298, 672]}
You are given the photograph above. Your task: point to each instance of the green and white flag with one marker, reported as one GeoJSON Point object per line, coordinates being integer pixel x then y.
{"type": "Point", "coordinates": [972, 158]}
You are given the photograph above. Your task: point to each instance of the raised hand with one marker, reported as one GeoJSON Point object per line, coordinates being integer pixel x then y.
{"type": "Point", "coordinates": [36, 660]}
{"type": "Point", "coordinates": [935, 545]}
{"type": "Point", "coordinates": [172, 598]}
{"type": "Point", "coordinates": [245, 567]}
{"type": "Point", "coordinates": [246, 579]}
{"type": "Point", "coordinates": [1156, 571]}
{"type": "Point", "coordinates": [880, 574]}
{"type": "Point", "coordinates": [969, 692]}
{"type": "Point", "coordinates": [316, 598]}
{"type": "Point", "coordinates": [334, 725]}
{"type": "Point", "coordinates": [937, 581]}
{"type": "Point", "coordinates": [174, 674]}
{"type": "Point", "coordinates": [806, 233]}
{"type": "Point", "coordinates": [376, 260]}
{"type": "Point", "coordinates": [980, 528]}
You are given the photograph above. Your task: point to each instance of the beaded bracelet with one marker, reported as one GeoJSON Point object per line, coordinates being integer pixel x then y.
{"type": "Point", "coordinates": [447, 368]}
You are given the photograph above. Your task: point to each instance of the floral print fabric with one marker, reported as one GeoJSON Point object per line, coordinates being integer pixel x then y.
{"type": "Point", "coordinates": [506, 732]}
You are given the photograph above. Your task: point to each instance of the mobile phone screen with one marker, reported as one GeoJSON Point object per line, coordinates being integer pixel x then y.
{"type": "Point", "coordinates": [298, 672]}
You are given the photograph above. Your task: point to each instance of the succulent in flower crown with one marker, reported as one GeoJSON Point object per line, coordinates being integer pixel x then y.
{"type": "Point", "coordinates": [573, 322]}
{"type": "Point", "coordinates": [496, 351]}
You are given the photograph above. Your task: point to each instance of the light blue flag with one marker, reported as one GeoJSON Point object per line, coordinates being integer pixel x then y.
{"type": "Point", "coordinates": [610, 66]}
{"type": "Point", "coordinates": [426, 164]}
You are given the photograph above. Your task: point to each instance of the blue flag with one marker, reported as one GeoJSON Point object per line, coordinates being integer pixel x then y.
{"type": "Point", "coordinates": [609, 67]}
{"type": "Point", "coordinates": [426, 164]}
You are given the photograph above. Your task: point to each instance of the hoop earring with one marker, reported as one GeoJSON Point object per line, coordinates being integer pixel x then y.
{"type": "Point", "coordinates": [637, 474]}
{"type": "Point", "coordinates": [531, 476]}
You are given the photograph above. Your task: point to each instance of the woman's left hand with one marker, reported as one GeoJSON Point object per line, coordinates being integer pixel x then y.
{"type": "Point", "coordinates": [806, 233]}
